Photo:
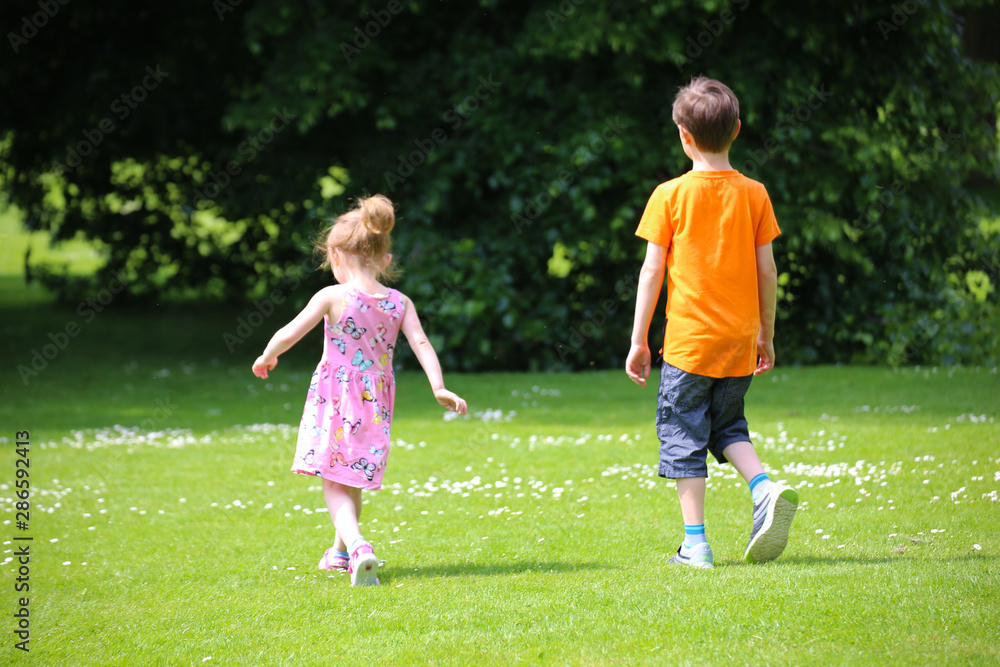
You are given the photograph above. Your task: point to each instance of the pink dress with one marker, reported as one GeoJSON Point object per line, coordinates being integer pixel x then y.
{"type": "Point", "coordinates": [344, 432]}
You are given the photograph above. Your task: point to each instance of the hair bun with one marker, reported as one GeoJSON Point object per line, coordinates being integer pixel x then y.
{"type": "Point", "coordinates": [377, 214]}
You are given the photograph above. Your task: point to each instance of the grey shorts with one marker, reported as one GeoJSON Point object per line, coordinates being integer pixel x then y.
{"type": "Point", "coordinates": [696, 415]}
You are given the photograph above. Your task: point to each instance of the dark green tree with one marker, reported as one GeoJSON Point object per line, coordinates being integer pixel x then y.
{"type": "Point", "coordinates": [520, 142]}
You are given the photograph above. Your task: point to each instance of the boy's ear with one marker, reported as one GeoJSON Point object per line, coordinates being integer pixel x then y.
{"type": "Point", "coordinates": [686, 136]}
{"type": "Point", "coordinates": [738, 126]}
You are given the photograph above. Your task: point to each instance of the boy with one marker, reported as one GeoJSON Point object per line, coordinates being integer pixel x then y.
{"type": "Point", "coordinates": [710, 230]}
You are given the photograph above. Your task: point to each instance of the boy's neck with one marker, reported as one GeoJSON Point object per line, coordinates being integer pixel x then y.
{"type": "Point", "coordinates": [710, 161]}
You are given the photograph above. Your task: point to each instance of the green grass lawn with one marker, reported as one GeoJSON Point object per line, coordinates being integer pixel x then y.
{"type": "Point", "coordinates": [167, 529]}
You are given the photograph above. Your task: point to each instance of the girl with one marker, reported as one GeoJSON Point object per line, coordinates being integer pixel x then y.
{"type": "Point", "coordinates": [344, 433]}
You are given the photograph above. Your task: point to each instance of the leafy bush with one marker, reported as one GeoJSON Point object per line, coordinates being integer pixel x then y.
{"type": "Point", "coordinates": [520, 142]}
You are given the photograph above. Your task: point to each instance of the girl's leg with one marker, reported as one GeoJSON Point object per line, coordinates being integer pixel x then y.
{"type": "Point", "coordinates": [338, 543]}
{"type": "Point", "coordinates": [344, 504]}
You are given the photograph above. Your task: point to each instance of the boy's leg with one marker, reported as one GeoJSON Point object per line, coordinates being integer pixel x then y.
{"type": "Point", "coordinates": [744, 458]}
{"type": "Point", "coordinates": [691, 491]}
{"type": "Point", "coordinates": [683, 429]}
{"type": "Point", "coordinates": [774, 505]}
{"type": "Point", "coordinates": [695, 550]}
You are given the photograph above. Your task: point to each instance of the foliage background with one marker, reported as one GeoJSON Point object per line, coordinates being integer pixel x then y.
{"type": "Point", "coordinates": [870, 123]}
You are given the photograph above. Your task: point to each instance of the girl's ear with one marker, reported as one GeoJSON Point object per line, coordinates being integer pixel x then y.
{"type": "Point", "coordinates": [386, 261]}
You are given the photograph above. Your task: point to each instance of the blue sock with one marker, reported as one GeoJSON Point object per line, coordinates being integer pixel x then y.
{"type": "Point", "coordinates": [342, 554]}
{"type": "Point", "coordinates": [694, 533]}
{"type": "Point", "coordinates": [758, 486]}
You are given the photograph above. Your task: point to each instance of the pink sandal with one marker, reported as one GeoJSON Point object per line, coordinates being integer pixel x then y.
{"type": "Point", "coordinates": [364, 566]}
{"type": "Point", "coordinates": [332, 561]}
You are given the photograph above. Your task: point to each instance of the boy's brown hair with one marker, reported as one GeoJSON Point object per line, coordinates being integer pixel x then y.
{"type": "Point", "coordinates": [710, 112]}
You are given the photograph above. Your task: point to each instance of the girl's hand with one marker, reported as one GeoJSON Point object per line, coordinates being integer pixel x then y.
{"type": "Point", "coordinates": [263, 365]}
{"type": "Point", "coordinates": [451, 401]}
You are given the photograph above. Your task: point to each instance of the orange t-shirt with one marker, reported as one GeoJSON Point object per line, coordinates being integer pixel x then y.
{"type": "Point", "coordinates": [711, 222]}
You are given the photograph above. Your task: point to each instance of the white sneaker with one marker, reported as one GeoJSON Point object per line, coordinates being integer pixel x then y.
{"type": "Point", "coordinates": [700, 555]}
{"type": "Point", "coordinates": [772, 517]}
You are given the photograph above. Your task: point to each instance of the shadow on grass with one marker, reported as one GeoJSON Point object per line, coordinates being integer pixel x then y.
{"type": "Point", "coordinates": [790, 561]}
{"type": "Point", "coordinates": [492, 569]}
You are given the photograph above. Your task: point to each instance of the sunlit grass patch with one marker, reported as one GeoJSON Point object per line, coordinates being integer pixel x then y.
{"type": "Point", "coordinates": [77, 257]}
{"type": "Point", "coordinates": [534, 531]}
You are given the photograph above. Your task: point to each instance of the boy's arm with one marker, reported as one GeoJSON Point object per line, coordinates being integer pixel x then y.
{"type": "Point", "coordinates": [428, 359]}
{"type": "Point", "coordinates": [767, 298]}
{"type": "Point", "coordinates": [650, 281]}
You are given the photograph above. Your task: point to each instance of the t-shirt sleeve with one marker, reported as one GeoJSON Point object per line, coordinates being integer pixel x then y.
{"type": "Point", "coordinates": [767, 224]}
{"type": "Point", "coordinates": [655, 224]}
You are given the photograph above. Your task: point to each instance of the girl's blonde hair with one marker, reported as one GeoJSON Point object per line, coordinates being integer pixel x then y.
{"type": "Point", "coordinates": [363, 232]}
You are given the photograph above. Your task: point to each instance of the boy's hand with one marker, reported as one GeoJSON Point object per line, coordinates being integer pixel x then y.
{"type": "Point", "coordinates": [262, 366]}
{"type": "Point", "coordinates": [637, 364]}
{"type": "Point", "coordinates": [451, 400]}
{"type": "Point", "coordinates": [765, 352]}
